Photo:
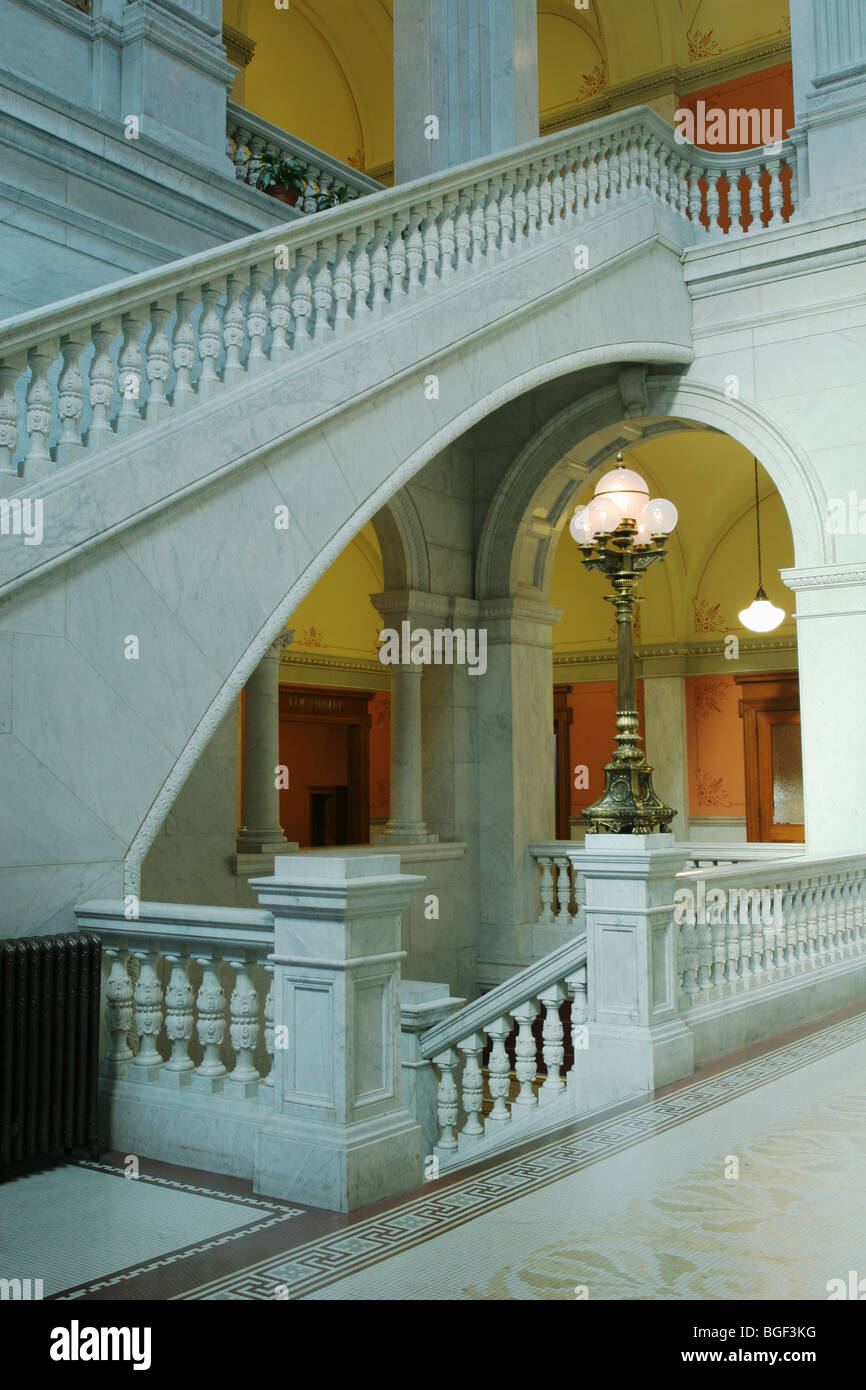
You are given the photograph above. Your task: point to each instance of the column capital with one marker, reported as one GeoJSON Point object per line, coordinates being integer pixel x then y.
{"type": "Point", "coordinates": [825, 590]}
{"type": "Point", "coordinates": [285, 639]}
{"type": "Point", "coordinates": [524, 620]}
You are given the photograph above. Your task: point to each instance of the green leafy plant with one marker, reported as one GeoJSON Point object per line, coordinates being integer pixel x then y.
{"type": "Point", "coordinates": [276, 171]}
{"type": "Point", "coordinates": [331, 198]}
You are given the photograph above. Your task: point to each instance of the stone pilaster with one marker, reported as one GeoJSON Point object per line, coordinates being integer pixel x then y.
{"type": "Point", "coordinates": [666, 745]}
{"type": "Point", "coordinates": [470, 66]}
{"type": "Point", "coordinates": [406, 821]}
{"type": "Point", "coordinates": [261, 835]}
{"type": "Point", "coordinates": [828, 51]}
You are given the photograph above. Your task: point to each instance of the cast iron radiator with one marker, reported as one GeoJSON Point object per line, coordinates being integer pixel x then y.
{"type": "Point", "coordinates": [49, 1045]}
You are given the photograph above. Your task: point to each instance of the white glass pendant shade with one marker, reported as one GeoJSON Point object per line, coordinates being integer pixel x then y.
{"type": "Point", "coordinates": [602, 514]}
{"type": "Point", "coordinates": [761, 615]}
{"type": "Point", "coordinates": [626, 488]}
{"type": "Point", "coordinates": [580, 527]}
{"type": "Point", "coordinates": [659, 516]}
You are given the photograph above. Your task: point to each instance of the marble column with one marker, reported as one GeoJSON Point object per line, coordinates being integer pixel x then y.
{"type": "Point", "coordinates": [828, 52]}
{"type": "Point", "coordinates": [831, 646]}
{"type": "Point", "coordinates": [465, 73]}
{"type": "Point", "coordinates": [261, 832]}
{"type": "Point", "coordinates": [406, 821]}
{"type": "Point", "coordinates": [666, 745]}
{"type": "Point", "coordinates": [517, 791]}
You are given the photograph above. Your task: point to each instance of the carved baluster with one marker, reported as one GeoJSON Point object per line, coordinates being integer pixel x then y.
{"type": "Point", "coordinates": [179, 1013]}
{"type": "Point", "coordinates": [340, 283]}
{"type": "Point", "coordinates": [234, 331]}
{"type": "Point", "coordinates": [101, 387]}
{"type": "Point", "coordinates": [634, 161]}
{"type": "Point", "coordinates": [308, 197]}
{"type": "Point", "coordinates": [37, 420]}
{"type": "Point", "coordinates": [545, 916]}
{"type": "Point", "coordinates": [545, 198]}
{"type": "Point", "coordinates": [526, 1064]}
{"type": "Point", "coordinates": [714, 198]}
{"type": "Point", "coordinates": [476, 223]}
{"type": "Point", "coordinates": [577, 990]}
{"type": "Point", "coordinates": [696, 196]}
{"type": "Point", "coordinates": [591, 180]}
{"type": "Point", "coordinates": [499, 1074]}
{"type": "Point", "coordinates": [244, 1027]}
{"type": "Point", "coordinates": [747, 932]}
{"type": "Point", "coordinates": [581, 186]}
{"type": "Point", "coordinates": [397, 256]}
{"type": "Point", "coordinates": [603, 178]}
{"type": "Point", "coordinates": [643, 176]}
{"type": "Point", "coordinates": [552, 1049]}
{"type": "Point", "coordinates": [241, 138]}
{"type": "Point", "coordinates": [813, 935]}
{"type": "Point", "coordinates": [10, 370]}
{"type": "Point", "coordinates": [473, 1085]}
{"type": "Point", "coordinates": [70, 400]}
{"type": "Point", "coordinates": [463, 234]}
{"type": "Point", "coordinates": [323, 291]}
{"type": "Point", "coordinates": [793, 188]}
{"type": "Point", "coordinates": [446, 1099]}
{"type": "Point", "coordinates": [563, 892]}
{"type": "Point", "coordinates": [129, 374]}
{"type": "Point", "coordinates": [361, 279]}
{"type": "Point", "coordinates": [209, 340]}
{"type": "Point", "coordinates": [652, 154]}
{"type": "Point", "coordinates": [280, 314]}
{"type": "Point", "coordinates": [688, 963]}
{"type": "Point", "coordinates": [302, 303]}
{"type": "Point", "coordinates": [777, 193]}
{"type": "Point", "coordinates": [211, 1022]}
{"type": "Point", "coordinates": [379, 269]}
{"type": "Point", "coordinates": [569, 190]}
{"type": "Point", "coordinates": [685, 191]}
{"type": "Point", "coordinates": [447, 241]}
{"type": "Point", "coordinates": [506, 216]}
{"type": "Point", "coordinates": [732, 951]}
{"type": "Point", "coordinates": [705, 954]}
{"type": "Point", "coordinates": [521, 212]}
{"type": "Point", "coordinates": [430, 243]}
{"type": "Point", "coordinates": [257, 320]}
{"type": "Point", "coordinates": [533, 204]}
{"type": "Point", "coordinates": [719, 951]}
{"type": "Point", "coordinates": [118, 1013]}
{"type": "Point", "coordinates": [183, 353]}
{"type": "Point", "coordinates": [148, 1009]}
{"type": "Point", "coordinates": [557, 195]}
{"type": "Point", "coordinates": [414, 252]}
{"type": "Point", "coordinates": [257, 149]}
{"type": "Point", "coordinates": [270, 1031]}
{"type": "Point", "coordinates": [860, 907]}
{"type": "Point", "coordinates": [157, 362]}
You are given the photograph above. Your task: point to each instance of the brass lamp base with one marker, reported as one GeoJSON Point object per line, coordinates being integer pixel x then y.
{"type": "Point", "coordinates": [628, 805]}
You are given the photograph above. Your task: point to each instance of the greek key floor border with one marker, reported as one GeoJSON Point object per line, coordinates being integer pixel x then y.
{"type": "Point", "coordinates": [327, 1259]}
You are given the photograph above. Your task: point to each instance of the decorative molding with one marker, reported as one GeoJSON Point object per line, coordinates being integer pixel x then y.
{"type": "Point", "coordinates": [294, 658]}
{"type": "Point", "coordinates": [598, 657]}
{"type": "Point", "coordinates": [239, 49]}
{"type": "Point", "coordinates": [835, 577]}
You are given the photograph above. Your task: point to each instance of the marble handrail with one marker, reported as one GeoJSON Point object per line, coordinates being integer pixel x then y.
{"type": "Point", "coordinates": [749, 925]}
{"type": "Point", "coordinates": [81, 375]}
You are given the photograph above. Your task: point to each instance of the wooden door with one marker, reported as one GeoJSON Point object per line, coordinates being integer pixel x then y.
{"type": "Point", "coordinates": [780, 775]}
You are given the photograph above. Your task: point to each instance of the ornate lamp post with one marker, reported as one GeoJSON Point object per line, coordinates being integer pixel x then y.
{"type": "Point", "coordinates": [622, 533]}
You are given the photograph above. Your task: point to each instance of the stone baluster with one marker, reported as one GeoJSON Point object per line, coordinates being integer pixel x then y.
{"type": "Point", "coordinates": [499, 1072]}
{"type": "Point", "coordinates": [719, 953]}
{"type": "Point", "coordinates": [545, 916]}
{"type": "Point", "coordinates": [492, 220]}
{"type": "Point", "coordinates": [10, 370]}
{"type": "Point", "coordinates": [603, 168]}
{"type": "Point", "coordinates": [130, 369]}
{"type": "Point", "coordinates": [533, 204]}
{"type": "Point", "coordinates": [476, 223]}
{"type": "Point", "coordinates": [361, 278]}
{"type": "Point", "coordinates": [234, 331]}
{"type": "Point", "coordinates": [521, 211]}
{"type": "Point", "coordinates": [118, 1013]}
{"type": "Point", "coordinates": [643, 161]}
{"type": "Point", "coordinates": [634, 161]}
{"type": "Point", "coordinates": [748, 932]}
{"type": "Point", "coordinates": [688, 963]}
{"type": "Point", "coordinates": [581, 186]}
{"type": "Point", "coordinates": [308, 198]}
{"type": "Point", "coordinates": [684, 190]}
{"type": "Point", "coordinates": [696, 197]}
{"type": "Point", "coordinates": [414, 252]}
{"type": "Point", "coordinates": [545, 199]}
{"type": "Point", "coordinates": [211, 1022]}
{"type": "Point", "coordinates": [158, 362]}
{"type": "Point", "coordinates": [257, 320]}
{"type": "Point", "coordinates": [563, 892]}
{"type": "Point", "coordinates": [576, 985]}
{"type": "Point", "coordinates": [447, 1100]}
{"type": "Point", "coordinates": [430, 244]}
{"type": "Point", "coordinates": [552, 1049]}
{"type": "Point", "coordinates": [463, 234]}
{"type": "Point", "coordinates": [379, 269]}
{"type": "Point", "coordinates": [813, 929]}
{"type": "Point", "coordinates": [705, 955]}
{"type": "Point", "coordinates": [834, 923]}
{"type": "Point", "coordinates": [302, 303]}
{"type": "Point", "coordinates": [101, 387]}
{"type": "Point", "coordinates": [860, 907]}
{"type": "Point", "coordinates": [751, 200]}
{"type": "Point", "coordinates": [777, 193]}
{"type": "Point", "coordinates": [714, 199]}
{"type": "Point", "coordinates": [591, 180]}
{"type": "Point", "coordinates": [557, 195]}
{"type": "Point", "coordinates": [732, 932]}
{"type": "Point", "coordinates": [794, 187]}
{"type": "Point", "coordinates": [506, 216]}
{"type": "Point", "coordinates": [257, 149]}
{"type": "Point", "coordinates": [280, 315]}
{"type": "Point", "coordinates": [70, 399]}
{"type": "Point", "coordinates": [179, 1013]}
{"type": "Point", "coordinates": [569, 188]}
{"type": "Point", "coordinates": [342, 283]}
{"type": "Point", "coordinates": [241, 161]}
{"type": "Point", "coordinates": [209, 340]}
{"type": "Point", "coordinates": [270, 1032]}
{"type": "Point", "coordinates": [526, 1065]}
{"type": "Point", "coordinates": [148, 1010]}
{"type": "Point", "coordinates": [183, 353]}
{"type": "Point", "coordinates": [37, 420]}
{"type": "Point", "coordinates": [244, 1025]}
{"type": "Point", "coordinates": [323, 291]}
{"type": "Point", "coordinates": [473, 1086]}
{"type": "Point", "coordinates": [397, 256]}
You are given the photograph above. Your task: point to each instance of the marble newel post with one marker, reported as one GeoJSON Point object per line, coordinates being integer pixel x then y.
{"type": "Point", "coordinates": [465, 81]}
{"type": "Point", "coordinates": [406, 821]}
{"type": "Point", "coordinates": [261, 833]}
{"type": "Point", "coordinates": [340, 1136]}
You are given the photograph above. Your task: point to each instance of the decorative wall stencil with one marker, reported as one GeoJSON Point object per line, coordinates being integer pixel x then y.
{"type": "Point", "coordinates": [311, 637]}
{"type": "Point", "coordinates": [708, 617]}
{"type": "Point", "coordinates": [594, 81]}
{"type": "Point", "coordinates": [358, 159]}
{"type": "Point", "coordinates": [711, 790]}
{"type": "Point", "coordinates": [701, 45]}
{"type": "Point", "coordinates": [709, 697]}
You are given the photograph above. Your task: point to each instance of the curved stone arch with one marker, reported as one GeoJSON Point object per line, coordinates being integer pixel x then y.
{"type": "Point", "coordinates": [532, 504]}
{"type": "Point", "coordinates": [400, 533]}
{"type": "Point", "coordinates": [653, 352]}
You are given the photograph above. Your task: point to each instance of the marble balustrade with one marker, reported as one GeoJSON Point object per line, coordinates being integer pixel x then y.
{"type": "Point", "coordinates": [248, 138]}
{"type": "Point", "coordinates": [79, 376]}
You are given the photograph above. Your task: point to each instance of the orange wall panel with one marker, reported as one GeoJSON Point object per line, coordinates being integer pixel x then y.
{"type": "Point", "coordinates": [717, 776]}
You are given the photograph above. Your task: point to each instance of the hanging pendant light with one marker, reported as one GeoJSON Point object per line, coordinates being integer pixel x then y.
{"type": "Point", "coordinates": [761, 615]}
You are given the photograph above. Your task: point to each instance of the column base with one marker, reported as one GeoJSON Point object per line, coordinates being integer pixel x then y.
{"type": "Point", "coordinates": [338, 1169]}
{"type": "Point", "coordinates": [249, 863]}
{"type": "Point", "coordinates": [404, 835]}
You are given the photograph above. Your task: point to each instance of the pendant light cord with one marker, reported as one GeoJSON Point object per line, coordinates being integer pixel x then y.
{"type": "Point", "coordinates": [758, 526]}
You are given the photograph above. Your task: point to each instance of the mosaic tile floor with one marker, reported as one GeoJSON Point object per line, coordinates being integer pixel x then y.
{"type": "Point", "coordinates": [640, 1206]}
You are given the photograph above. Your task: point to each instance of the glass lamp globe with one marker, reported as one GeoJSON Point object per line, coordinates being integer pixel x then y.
{"type": "Point", "coordinates": [625, 488]}
{"type": "Point", "coordinates": [659, 516]}
{"type": "Point", "coordinates": [580, 526]}
{"type": "Point", "coordinates": [602, 514]}
{"type": "Point", "coordinates": [761, 615]}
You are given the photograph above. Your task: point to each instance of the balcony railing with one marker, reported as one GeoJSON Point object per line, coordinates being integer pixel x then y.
{"type": "Point", "coordinates": [248, 138]}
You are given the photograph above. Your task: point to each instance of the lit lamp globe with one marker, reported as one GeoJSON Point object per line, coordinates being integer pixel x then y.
{"type": "Point", "coordinates": [761, 615]}
{"type": "Point", "coordinates": [623, 488]}
{"type": "Point", "coordinates": [658, 518]}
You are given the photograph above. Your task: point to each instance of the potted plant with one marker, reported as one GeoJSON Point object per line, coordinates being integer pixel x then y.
{"type": "Point", "coordinates": [331, 198]}
{"type": "Point", "coordinates": [281, 178]}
